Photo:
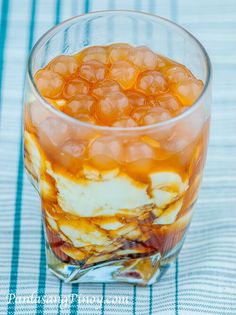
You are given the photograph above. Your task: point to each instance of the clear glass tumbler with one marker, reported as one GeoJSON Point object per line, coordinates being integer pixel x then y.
{"type": "Point", "coordinates": [108, 226]}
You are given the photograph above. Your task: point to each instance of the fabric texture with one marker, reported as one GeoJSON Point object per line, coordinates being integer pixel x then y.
{"type": "Point", "coordinates": [203, 279]}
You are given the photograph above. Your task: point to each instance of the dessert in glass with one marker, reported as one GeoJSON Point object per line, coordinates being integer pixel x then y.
{"type": "Point", "coordinates": [115, 140]}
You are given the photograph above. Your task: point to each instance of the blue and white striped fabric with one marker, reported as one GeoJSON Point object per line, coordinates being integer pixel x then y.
{"type": "Point", "coordinates": [203, 279]}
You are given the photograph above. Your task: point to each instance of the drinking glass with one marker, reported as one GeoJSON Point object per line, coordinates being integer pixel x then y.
{"type": "Point", "coordinates": [108, 226]}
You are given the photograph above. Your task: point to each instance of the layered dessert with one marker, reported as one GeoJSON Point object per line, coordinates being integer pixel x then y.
{"type": "Point", "coordinates": [117, 169]}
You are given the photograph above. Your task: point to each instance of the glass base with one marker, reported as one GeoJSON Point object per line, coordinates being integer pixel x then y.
{"type": "Point", "coordinates": [143, 271]}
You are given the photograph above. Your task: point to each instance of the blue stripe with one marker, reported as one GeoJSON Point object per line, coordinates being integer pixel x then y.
{"type": "Point", "coordinates": [58, 12]}
{"type": "Point", "coordinates": [16, 232]}
{"type": "Point", "coordinates": [3, 36]}
{"type": "Point", "coordinates": [87, 27]}
{"type": "Point", "coordinates": [152, 6]}
{"type": "Point", "coordinates": [134, 300]}
{"type": "Point", "coordinates": [138, 5]}
{"type": "Point", "coordinates": [176, 287]}
{"type": "Point", "coordinates": [150, 299]}
{"type": "Point", "coordinates": [174, 10]}
{"type": "Point", "coordinates": [42, 275]}
{"type": "Point", "coordinates": [74, 304]}
{"type": "Point", "coordinates": [111, 4]}
{"type": "Point", "coordinates": [60, 293]}
{"type": "Point", "coordinates": [43, 263]}
{"type": "Point", "coordinates": [135, 24]}
{"type": "Point", "coordinates": [86, 6]}
{"type": "Point", "coordinates": [18, 198]}
{"type": "Point", "coordinates": [103, 298]}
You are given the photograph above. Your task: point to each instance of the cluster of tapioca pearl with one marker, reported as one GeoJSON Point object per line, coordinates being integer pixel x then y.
{"type": "Point", "coordinates": [118, 85]}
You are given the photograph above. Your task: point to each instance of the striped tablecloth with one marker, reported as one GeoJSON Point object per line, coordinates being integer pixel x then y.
{"type": "Point", "coordinates": [203, 279]}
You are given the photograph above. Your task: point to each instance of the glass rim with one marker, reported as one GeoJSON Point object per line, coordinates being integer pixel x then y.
{"type": "Point", "coordinates": [55, 29]}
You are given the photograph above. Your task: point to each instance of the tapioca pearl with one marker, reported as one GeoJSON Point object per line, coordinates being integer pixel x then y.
{"type": "Point", "coordinates": [185, 131]}
{"type": "Point", "coordinates": [139, 159]}
{"type": "Point", "coordinates": [161, 62]}
{"type": "Point", "coordinates": [136, 150]}
{"type": "Point", "coordinates": [49, 83]}
{"type": "Point", "coordinates": [152, 101]}
{"type": "Point", "coordinates": [82, 132]}
{"type": "Point", "coordinates": [150, 141]}
{"type": "Point", "coordinates": [38, 113]}
{"type": "Point", "coordinates": [109, 145]}
{"type": "Point", "coordinates": [143, 58]}
{"type": "Point", "coordinates": [86, 117]}
{"type": "Point", "coordinates": [93, 71]}
{"type": "Point", "coordinates": [82, 104]}
{"type": "Point", "coordinates": [165, 63]}
{"type": "Point", "coordinates": [105, 87]}
{"type": "Point", "coordinates": [111, 107]}
{"type": "Point", "coordinates": [177, 74]}
{"type": "Point", "coordinates": [139, 112]}
{"type": "Point", "coordinates": [55, 129]}
{"type": "Point", "coordinates": [118, 52]}
{"type": "Point", "coordinates": [66, 66]}
{"type": "Point", "coordinates": [186, 155]}
{"type": "Point", "coordinates": [140, 169]}
{"type": "Point", "coordinates": [96, 53]}
{"type": "Point", "coordinates": [188, 91]}
{"type": "Point", "coordinates": [169, 102]}
{"type": "Point", "coordinates": [74, 149]}
{"type": "Point", "coordinates": [191, 125]}
{"type": "Point", "coordinates": [176, 143]}
{"type": "Point", "coordinates": [154, 141]}
{"type": "Point", "coordinates": [124, 73]}
{"type": "Point", "coordinates": [52, 133]}
{"type": "Point", "coordinates": [155, 115]}
{"type": "Point", "coordinates": [151, 83]}
{"type": "Point", "coordinates": [74, 87]}
{"type": "Point", "coordinates": [58, 102]}
{"type": "Point", "coordinates": [71, 155]}
{"type": "Point", "coordinates": [125, 122]}
{"type": "Point", "coordinates": [136, 99]}
{"type": "Point", "coordinates": [105, 152]}
{"type": "Point", "coordinates": [162, 133]}
{"type": "Point", "coordinates": [180, 110]}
